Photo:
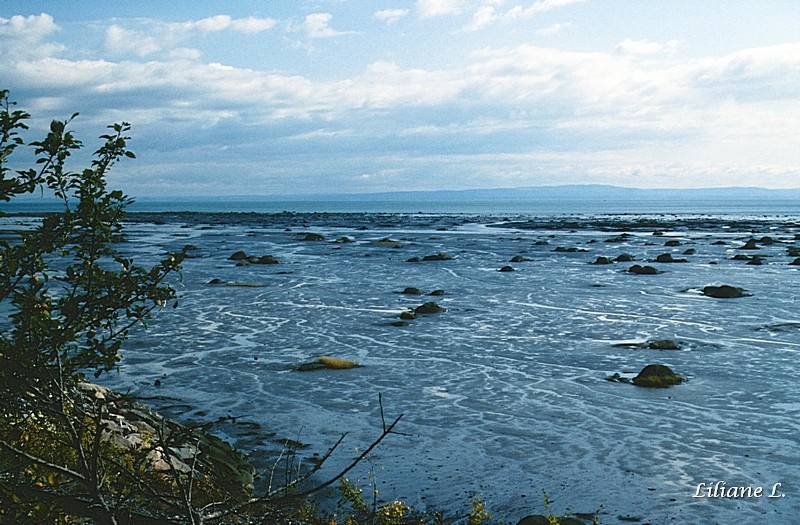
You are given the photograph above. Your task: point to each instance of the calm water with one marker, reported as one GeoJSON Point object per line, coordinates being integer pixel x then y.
{"type": "Point", "coordinates": [504, 394]}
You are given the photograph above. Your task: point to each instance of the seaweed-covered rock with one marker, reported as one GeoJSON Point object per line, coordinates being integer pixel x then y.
{"type": "Point", "coordinates": [327, 363]}
{"type": "Point", "coordinates": [429, 308]}
{"type": "Point", "coordinates": [723, 292]}
{"type": "Point", "coordinates": [657, 376]}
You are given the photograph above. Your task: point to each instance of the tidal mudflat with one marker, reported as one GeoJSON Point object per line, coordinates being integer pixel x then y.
{"type": "Point", "coordinates": [505, 388]}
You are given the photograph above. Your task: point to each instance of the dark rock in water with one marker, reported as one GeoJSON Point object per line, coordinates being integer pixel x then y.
{"type": "Point", "coordinates": [573, 249]}
{"type": "Point", "coordinates": [506, 269]}
{"type": "Point", "coordinates": [756, 261]}
{"type": "Point", "coordinates": [793, 251]}
{"type": "Point", "coordinates": [266, 259]}
{"type": "Point", "coordinates": [663, 344]}
{"type": "Point", "coordinates": [740, 257]}
{"type": "Point", "coordinates": [690, 251]}
{"type": "Point", "coordinates": [723, 292]}
{"type": "Point", "coordinates": [343, 240]}
{"type": "Point", "coordinates": [541, 243]}
{"type": "Point", "coordinates": [643, 270]}
{"type": "Point", "coordinates": [719, 243]}
{"type": "Point", "coordinates": [400, 323]}
{"type": "Point", "coordinates": [429, 308]}
{"type": "Point", "coordinates": [216, 281]}
{"type": "Point", "coordinates": [624, 257]}
{"type": "Point", "coordinates": [750, 245]}
{"type": "Point", "coordinates": [413, 260]}
{"type": "Point", "coordinates": [407, 316]}
{"type": "Point", "coordinates": [412, 291]}
{"type": "Point", "coordinates": [766, 240]}
{"type": "Point", "coordinates": [538, 519]}
{"type": "Point", "coordinates": [672, 242]}
{"type": "Point", "coordinates": [667, 258]}
{"type": "Point", "coordinates": [602, 260]}
{"type": "Point", "coordinates": [437, 292]}
{"type": "Point", "coordinates": [238, 256]}
{"type": "Point", "coordinates": [313, 237]}
{"type": "Point", "coordinates": [796, 262]}
{"type": "Point", "coordinates": [617, 378]}
{"type": "Point", "coordinates": [441, 256]}
{"type": "Point", "coordinates": [657, 376]}
{"type": "Point", "coordinates": [518, 259]}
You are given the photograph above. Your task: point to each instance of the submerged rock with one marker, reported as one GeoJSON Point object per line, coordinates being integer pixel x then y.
{"type": "Point", "coordinates": [539, 519]}
{"type": "Point", "coordinates": [411, 291]}
{"type": "Point", "coordinates": [724, 292]}
{"type": "Point", "coordinates": [657, 376]}
{"type": "Point", "coordinates": [437, 292]}
{"type": "Point", "coordinates": [506, 269]}
{"type": "Point", "coordinates": [519, 259]}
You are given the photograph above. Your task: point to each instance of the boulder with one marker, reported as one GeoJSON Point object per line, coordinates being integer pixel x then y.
{"type": "Point", "coordinates": [518, 259]}
{"type": "Point", "coordinates": [429, 308]}
{"type": "Point", "coordinates": [313, 237]}
{"type": "Point", "coordinates": [723, 292]}
{"type": "Point", "coordinates": [643, 270]}
{"type": "Point", "coordinates": [413, 260]}
{"type": "Point", "coordinates": [667, 258]}
{"type": "Point", "coordinates": [343, 240]}
{"type": "Point", "coordinates": [756, 261]}
{"type": "Point", "coordinates": [796, 262]}
{"type": "Point", "coordinates": [657, 376]}
{"type": "Point", "coordinates": [750, 245]}
{"type": "Point", "coordinates": [266, 259]}
{"type": "Point", "coordinates": [412, 291]}
{"type": "Point", "coordinates": [663, 344]}
{"type": "Point", "coordinates": [407, 316]}
{"type": "Point", "coordinates": [624, 257]}
{"type": "Point", "coordinates": [672, 242]}
{"type": "Point", "coordinates": [441, 256]}
{"type": "Point", "coordinates": [690, 251]}
{"type": "Point", "coordinates": [437, 292]}
{"type": "Point", "coordinates": [602, 260]}
{"type": "Point", "coordinates": [238, 256]}
{"type": "Point", "coordinates": [506, 269]}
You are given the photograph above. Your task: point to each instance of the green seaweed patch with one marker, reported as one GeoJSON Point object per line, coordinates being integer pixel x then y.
{"type": "Point", "coordinates": [657, 376]}
{"type": "Point", "coordinates": [328, 363]}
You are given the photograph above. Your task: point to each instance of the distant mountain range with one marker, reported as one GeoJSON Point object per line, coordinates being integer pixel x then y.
{"type": "Point", "coordinates": [575, 192]}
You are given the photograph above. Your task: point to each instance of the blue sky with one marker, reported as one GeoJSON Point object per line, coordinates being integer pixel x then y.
{"type": "Point", "coordinates": [263, 97]}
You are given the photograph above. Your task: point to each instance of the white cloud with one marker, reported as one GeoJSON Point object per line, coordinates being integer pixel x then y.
{"type": "Point", "coordinates": [552, 30]}
{"type": "Point", "coordinates": [390, 16]}
{"type": "Point", "coordinates": [249, 25]}
{"type": "Point", "coordinates": [487, 14]}
{"type": "Point", "coordinates": [22, 36]}
{"type": "Point", "coordinates": [432, 8]}
{"type": "Point", "coordinates": [646, 47]}
{"type": "Point", "coordinates": [316, 26]}
{"type": "Point", "coordinates": [119, 40]}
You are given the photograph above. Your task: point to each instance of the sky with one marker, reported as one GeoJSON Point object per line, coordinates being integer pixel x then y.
{"type": "Point", "coordinates": [355, 96]}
